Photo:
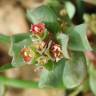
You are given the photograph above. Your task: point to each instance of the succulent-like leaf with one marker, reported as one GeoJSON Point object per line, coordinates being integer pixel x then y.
{"type": "Point", "coordinates": [70, 9]}
{"type": "Point", "coordinates": [92, 78]}
{"type": "Point", "coordinates": [75, 70]}
{"type": "Point", "coordinates": [63, 39]}
{"type": "Point", "coordinates": [4, 39]}
{"type": "Point", "coordinates": [45, 15]}
{"type": "Point", "coordinates": [15, 52]}
{"type": "Point", "coordinates": [50, 65]}
{"type": "Point", "coordinates": [55, 5]}
{"type": "Point", "coordinates": [78, 39]}
{"type": "Point", "coordinates": [20, 37]}
{"type": "Point", "coordinates": [53, 78]}
{"type": "Point", "coordinates": [5, 67]}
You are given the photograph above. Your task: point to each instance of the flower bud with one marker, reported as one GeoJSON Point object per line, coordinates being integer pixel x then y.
{"type": "Point", "coordinates": [56, 52]}
{"type": "Point", "coordinates": [27, 54]}
{"type": "Point", "coordinates": [38, 29]}
{"type": "Point", "coordinates": [42, 60]}
{"type": "Point", "coordinates": [40, 46]}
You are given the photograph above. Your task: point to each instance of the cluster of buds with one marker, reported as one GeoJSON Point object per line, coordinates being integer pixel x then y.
{"type": "Point", "coordinates": [45, 50]}
{"type": "Point", "coordinates": [38, 29]}
{"type": "Point", "coordinates": [27, 54]}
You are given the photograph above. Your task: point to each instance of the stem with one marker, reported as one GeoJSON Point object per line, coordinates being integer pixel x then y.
{"type": "Point", "coordinates": [4, 39]}
{"type": "Point", "coordinates": [18, 83]}
{"type": "Point", "coordinates": [76, 92]}
{"type": "Point", "coordinates": [5, 67]}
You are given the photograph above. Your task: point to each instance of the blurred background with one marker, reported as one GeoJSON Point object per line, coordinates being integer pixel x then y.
{"type": "Point", "coordinates": [13, 21]}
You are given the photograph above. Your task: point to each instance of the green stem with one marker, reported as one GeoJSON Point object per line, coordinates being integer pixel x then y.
{"type": "Point", "coordinates": [76, 92]}
{"type": "Point", "coordinates": [4, 39]}
{"type": "Point", "coordinates": [5, 67]}
{"type": "Point", "coordinates": [18, 83]}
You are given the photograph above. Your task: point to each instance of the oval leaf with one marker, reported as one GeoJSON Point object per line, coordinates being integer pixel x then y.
{"type": "Point", "coordinates": [78, 38]}
{"type": "Point", "coordinates": [53, 78]}
{"type": "Point", "coordinates": [70, 9]}
{"type": "Point", "coordinates": [92, 78]}
{"type": "Point", "coordinates": [15, 52]}
{"type": "Point", "coordinates": [46, 15]}
{"type": "Point", "coordinates": [74, 70]}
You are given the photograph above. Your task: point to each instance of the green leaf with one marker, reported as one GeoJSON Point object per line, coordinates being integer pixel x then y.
{"type": "Point", "coordinates": [63, 39]}
{"type": "Point", "coordinates": [46, 15]}
{"type": "Point", "coordinates": [20, 37]}
{"type": "Point", "coordinates": [92, 78]}
{"type": "Point", "coordinates": [78, 38]}
{"type": "Point", "coordinates": [17, 39]}
{"type": "Point", "coordinates": [15, 52]}
{"type": "Point", "coordinates": [55, 5]}
{"type": "Point", "coordinates": [75, 70]}
{"type": "Point", "coordinates": [70, 9]}
{"type": "Point", "coordinates": [2, 89]}
{"type": "Point", "coordinates": [50, 65]}
{"type": "Point", "coordinates": [5, 67]}
{"type": "Point", "coordinates": [25, 84]}
{"type": "Point", "coordinates": [4, 39]}
{"type": "Point", "coordinates": [53, 78]}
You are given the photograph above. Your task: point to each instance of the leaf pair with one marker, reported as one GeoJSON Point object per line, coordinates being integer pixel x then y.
{"type": "Point", "coordinates": [67, 74]}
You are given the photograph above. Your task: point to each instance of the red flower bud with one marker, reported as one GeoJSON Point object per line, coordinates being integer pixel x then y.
{"type": "Point", "coordinates": [27, 58]}
{"type": "Point", "coordinates": [38, 29]}
{"type": "Point", "coordinates": [27, 55]}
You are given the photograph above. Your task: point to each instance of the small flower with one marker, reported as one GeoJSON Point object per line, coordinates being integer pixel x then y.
{"type": "Point", "coordinates": [40, 46]}
{"type": "Point", "coordinates": [27, 59]}
{"type": "Point", "coordinates": [38, 29]}
{"type": "Point", "coordinates": [27, 54]}
{"type": "Point", "coordinates": [42, 60]}
{"type": "Point", "coordinates": [56, 52]}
